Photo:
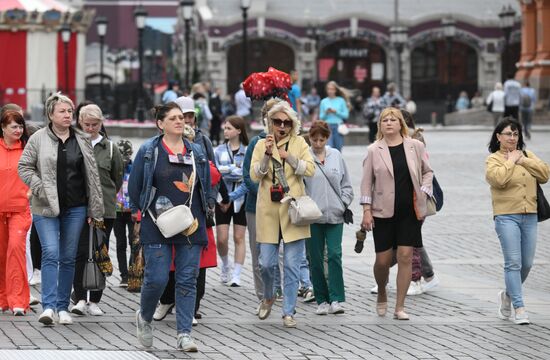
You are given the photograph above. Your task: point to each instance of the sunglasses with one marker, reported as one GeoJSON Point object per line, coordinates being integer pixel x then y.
{"type": "Point", "coordinates": [279, 122]}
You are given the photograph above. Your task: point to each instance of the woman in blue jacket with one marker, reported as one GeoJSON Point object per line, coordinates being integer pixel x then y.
{"type": "Point", "coordinates": [169, 171]}
{"type": "Point", "coordinates": [334, 110]}
{"type": "Point", "coordinates": [229, 161]}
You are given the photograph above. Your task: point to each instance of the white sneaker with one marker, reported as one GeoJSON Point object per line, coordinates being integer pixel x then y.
{"type": "Point", "coordinates": [79, 308]}
{"type": "Point", "coordinates": [415, 288]}
{"type": "Point", "coordinates": [94, 310]}
{"type": "Point", "coordinates": [46, 317]}
{"type": "Point", "coordinates": [521, 317]}
{"type": "Point", "coordinates": [186, 343]}
{"type": "Point", "coordinates": [430, 285]}
{"type": "Point", "coordinates": [335, 308]}
{"type": "Point", "coordinates": [374, 289]}
{"type": "Point", "coordinates": [195, 322]}
{"type": "Point", "coordinates": [225, 274]}
{"type": "Point", "coordinates": [65, 318]}
{"type": "Point", "coordinates": [36, 277]}
{"type": "Point", "coordinates": [33, 301]}
{"type": "Point", "coordinates": [19, 312]}
{"type": "Point", "coordinates": [235, 281]}
{"type": "Point", "coordinates": [322, 309]}
{"type": "Point", "coordinates": [162, 310]}
{"type": "Point", "coordinates": [504, 305]}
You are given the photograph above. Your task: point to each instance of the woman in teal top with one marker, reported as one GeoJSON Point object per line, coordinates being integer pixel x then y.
{"type": "Point", "coordinates": [334, 109]}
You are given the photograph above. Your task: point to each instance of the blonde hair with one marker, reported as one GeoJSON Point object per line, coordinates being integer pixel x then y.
{"type": "Point", "coordinates": [53, 100]}
{"type": "Point", "coordinates": [267, 106]}
{"type": "Point", "coordinates": [341, 91]}
{"type": "Point", "coordinates": [396, 113]}
{"type": "Point", "coordinates": [91, 111]}
{"type": "Point", "coordinates": [283, 107]}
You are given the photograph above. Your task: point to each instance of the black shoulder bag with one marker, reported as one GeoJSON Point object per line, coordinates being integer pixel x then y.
{"type": "Point", "coordinates": [93, 278]}
{"type": "Point", "coordinates": [543, 208]}
{"type": "Point", "coordinates": [348, 214]}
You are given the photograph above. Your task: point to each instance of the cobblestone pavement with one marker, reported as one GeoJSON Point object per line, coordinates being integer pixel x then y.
{"type": "Point", "coordinates": [457, 320]}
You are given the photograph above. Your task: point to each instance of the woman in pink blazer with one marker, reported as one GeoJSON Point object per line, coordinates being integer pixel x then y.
{"type": "Point", "coordinates": [397, 180]}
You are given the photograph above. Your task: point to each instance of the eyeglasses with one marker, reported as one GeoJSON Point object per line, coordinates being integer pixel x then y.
{"type": "Point", "coordinates": [510, 134]}
{"type": "Point", "coordinates": [279, 122]}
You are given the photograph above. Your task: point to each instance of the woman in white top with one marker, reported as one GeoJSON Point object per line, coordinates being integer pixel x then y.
{"type": "Point", "coordinates": [496, 99]}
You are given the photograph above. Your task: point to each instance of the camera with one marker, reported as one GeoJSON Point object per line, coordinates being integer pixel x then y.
{"type": "Point", "coordinates": [277, 193]}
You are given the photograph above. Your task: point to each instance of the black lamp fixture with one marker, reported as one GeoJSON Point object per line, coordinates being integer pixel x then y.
{"type": "Point", "coordinates": [245, 5]}
{"type": "Point", "coordinates": [398, 38]}
{"type": "Point", "coordinates": [187, 7]}
{"type": "Point", "coordinates": [101, 24]}
{"type": "Point", "coordinates": [65, 32]}
{"type": "Point", "coordinates": [140, 15]}
{"type": "Point", "coordinates": [507, 18]}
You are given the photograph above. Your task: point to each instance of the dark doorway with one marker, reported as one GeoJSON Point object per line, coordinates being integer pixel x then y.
{"type": "Point", "coordinates": [439, 73]}
{"type": "Point", "coordinates": [262, 54]}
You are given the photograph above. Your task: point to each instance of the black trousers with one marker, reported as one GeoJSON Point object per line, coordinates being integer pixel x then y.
{"type": "Point", "coordinates": [82, 258]}
{"type": "Point", "coordinates": [169, 294]}
{"type": "Point", "coordinates": [36, 249]}
{"type": "Point", "coordinates": [512, 111]}
{"type": "Point", "coordinates": [123, 221]}
{"type": "Point", "coordinates": [373, 130]}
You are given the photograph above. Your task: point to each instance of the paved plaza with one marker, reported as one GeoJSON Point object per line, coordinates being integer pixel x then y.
{"type": "Point", "coordinates": [457, 320]}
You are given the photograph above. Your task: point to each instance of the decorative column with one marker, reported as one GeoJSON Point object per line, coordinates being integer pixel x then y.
{"type": "Point", "coordinates": [540, 75]}
{"type": "Point", "coordinates": [528, 39]}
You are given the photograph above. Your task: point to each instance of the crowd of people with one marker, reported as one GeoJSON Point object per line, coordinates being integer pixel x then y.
{"type": "Point", "coordinates": [68, 177]}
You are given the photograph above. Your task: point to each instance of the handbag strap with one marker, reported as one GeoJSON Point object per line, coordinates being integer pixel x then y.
{"type": "Point", "coordinates": [90, 242]}
{"type": "Point", "coordinates": [331, 185]}
{"type": "Point", "coordinates": [190, 193]}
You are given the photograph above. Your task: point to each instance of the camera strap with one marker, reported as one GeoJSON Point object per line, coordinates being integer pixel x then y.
{"type": "Point", "coordinates": [279, 171]}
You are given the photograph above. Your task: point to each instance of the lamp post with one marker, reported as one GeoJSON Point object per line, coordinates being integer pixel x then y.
{"type": "Point", "coordinates": [449, 31]}
{"type": "Point", "coordinates": [101, 23]}
{"type": "Point", "coordinates": [139, 16]}
{"type": "Point", "coordinates": [398, 38]}
{"type": "Point", "coordinates": [245, 5]}
{"type": "Point", "coordinates": [187, 12]}
{"type": "Point", "coordinates": [66, 37]}
{"type": "Point", "coordinates": [507, 18]}
{"type": "Point", "coordinates": [316, 33]}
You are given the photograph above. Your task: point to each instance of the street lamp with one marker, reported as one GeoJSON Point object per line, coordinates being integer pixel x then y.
{"type": "Point", "coordinates": [449, 31]}
{"type": "Point", "coordinates": [398, 38]}
{"type": "Point", "coordinates": [139, 16]}
{"type": "Point", "coordinates": [507, 18]}
{"type": "Point", "coordinates": [316, 33]}
{"type": "Point", "coordinates": [187, 12]}
{"type": "Point", "coordinates": [101, 23]}
{"type": "Point", "coordinates": [245, 5]}
{"type": "Point", "coordinates": [65, 32]}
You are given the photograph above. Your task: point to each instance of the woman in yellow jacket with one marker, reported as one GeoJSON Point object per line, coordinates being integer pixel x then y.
{"type": "Point", "coordinates": [513, 174]}
{"type": "Point", "coordinates": [279, 163]}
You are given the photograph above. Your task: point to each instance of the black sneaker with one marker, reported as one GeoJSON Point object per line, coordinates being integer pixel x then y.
{"type": "Point", "coordinates": [123, 281]}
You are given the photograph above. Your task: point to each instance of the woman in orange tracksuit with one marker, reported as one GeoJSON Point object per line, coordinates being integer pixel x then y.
{"type": "Point", "coordinates": [15, 216]}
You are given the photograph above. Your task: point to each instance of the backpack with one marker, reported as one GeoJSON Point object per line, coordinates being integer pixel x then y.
{"type": "Point", "coordinates": [526, 101]}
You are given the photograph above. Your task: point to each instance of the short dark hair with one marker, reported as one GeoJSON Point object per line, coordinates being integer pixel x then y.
{"type": "Point", "coordinates": [319, 127]}
{"type": "Point", "coordinates": [9, 116]}
{"type": "Point", "coordinates": [494, 144]}
{"type": "Point", "coordinates": [160, 111]}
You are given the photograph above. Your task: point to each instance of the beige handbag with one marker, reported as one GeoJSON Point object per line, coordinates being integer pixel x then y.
{"type": "Point", "coordinates": [303, 211]}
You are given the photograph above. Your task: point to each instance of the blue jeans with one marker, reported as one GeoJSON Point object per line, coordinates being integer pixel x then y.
{"type": "Point", "coordinates": [277, 279]}
{"type": "Point", "coordinates": [59, 240]}
{"type": "Point", "coordinates": [292, 258]}
{"type": "Point", "coordinates": [518, 239]}
{"type": "Point", "coordinates": [157, 267]}
{"type": "Point", "coordinates": [305, 280]}
{"type": "Point", "coordinates": [335, 141]}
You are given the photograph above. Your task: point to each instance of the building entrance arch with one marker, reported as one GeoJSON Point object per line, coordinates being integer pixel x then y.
{"type": "Point", "coordinates": [262, 53]}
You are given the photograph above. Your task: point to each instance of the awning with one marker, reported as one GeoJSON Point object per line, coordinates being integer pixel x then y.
{"type": "Point", "coordinates": [32, 5]}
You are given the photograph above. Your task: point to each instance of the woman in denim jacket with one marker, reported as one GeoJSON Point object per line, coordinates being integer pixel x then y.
{"type": "Point", "coordinates": [167, 170]}
{"type": "Point", "coordinates": [229, 161]}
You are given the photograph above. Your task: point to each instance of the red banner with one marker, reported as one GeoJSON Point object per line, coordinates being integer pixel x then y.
{"type": "Point", "coordinates": [63, 67]}
{"type": "Point", "coordinates": [13, 68]}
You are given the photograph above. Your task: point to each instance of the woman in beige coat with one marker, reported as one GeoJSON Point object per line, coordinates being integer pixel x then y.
{"type": "Point", "coordinates": [396, 183]}
{"type": "Point", "coordinates": [279, 163]}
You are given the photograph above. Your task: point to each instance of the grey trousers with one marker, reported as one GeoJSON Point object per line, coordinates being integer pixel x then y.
{"type": "Point", "coordinates": [255, 254]}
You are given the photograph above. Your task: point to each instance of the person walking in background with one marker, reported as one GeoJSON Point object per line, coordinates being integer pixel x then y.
{"type": "Point", "coordinates": [477, 101]}
{"type": "Point", "coordinates": [126, 214]}
{"type": "Point", "coordinates": [172, 92]}
{"type": "Point", "coordinates": [462, 103]}
{"type": "Point", "coordinates": [203, 115]}
{"type": "Point", "coordinates": [243, 104]}
{"type": "Point", "coordinates": [512, 97]}
{"type": "Point", "coordinates": [215, 104]}
{"type": "Point", "coordinates": [371, 111]}
{"type": "Point", "coordinates": [395, 210]}
{"type": "Point", "coordinates": [330, 187]}
{"type": "Point", "coordinates": [280, 161]}
{"type": "Point", "coordinates": [15, 216]}
{"type": "Point", "coordinates": [393, 98]}
{"type": "Point", "coordinates": [513, 174]}
{"type": "Point", "coordinates": [59, 166]}
{"type": "Point", "coordinates": [180, 174]}
{"type": "Point", "coordinates": [527, 107]}
{"type": "Point", "coordinates": [312, 101]}
{"type": "Point", "coordinates": [294, 94]}
{"type": "Point", "coordinates": [495, 103]}
{"type": "Point", "coordinates": [334, 109]}
{"type": "Point", "coordinates": [229, 161]}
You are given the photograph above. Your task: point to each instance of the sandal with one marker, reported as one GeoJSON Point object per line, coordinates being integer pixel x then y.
{"type": "Point", "coordinates": [400, 315]}
{"type": "Point", "coordinates": [381, 308]}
